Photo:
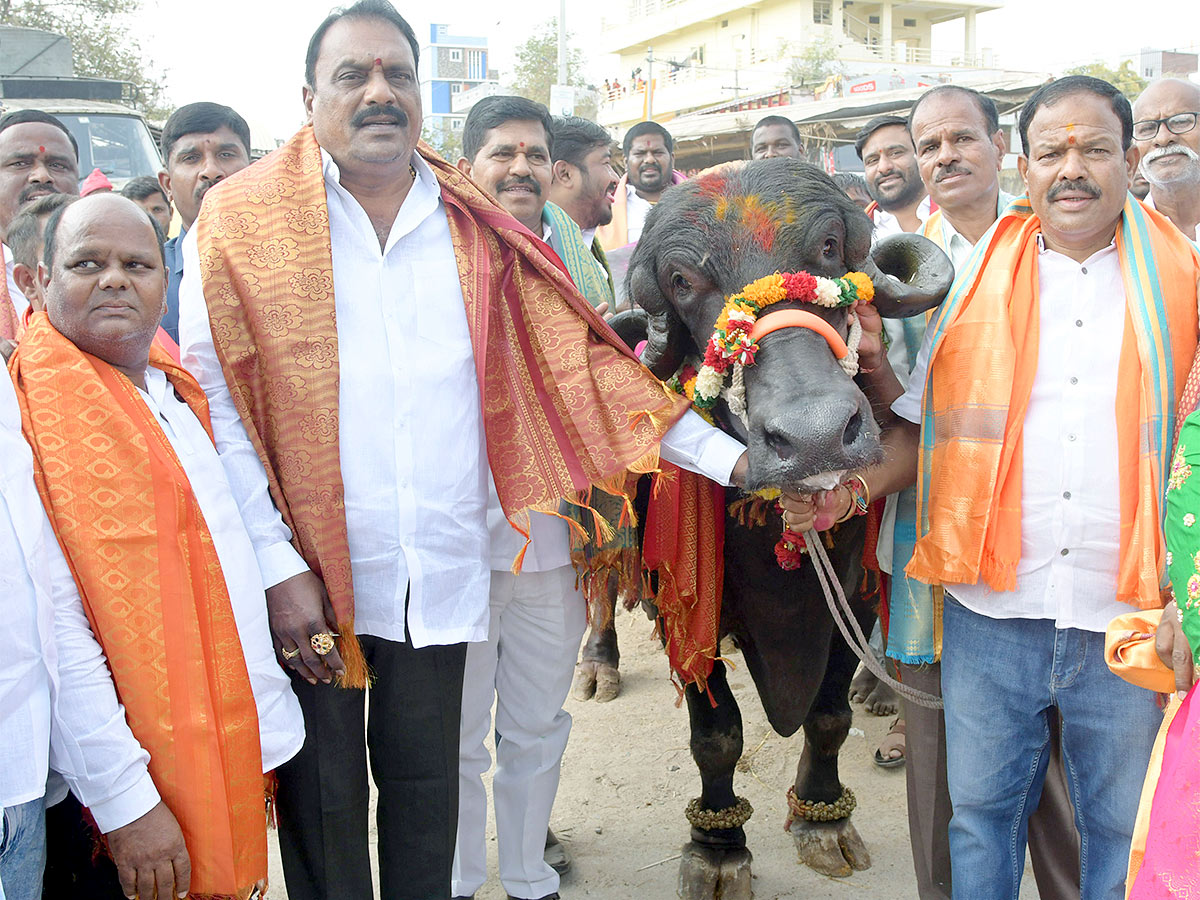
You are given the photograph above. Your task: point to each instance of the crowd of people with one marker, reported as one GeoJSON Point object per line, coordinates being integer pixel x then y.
{"type": "Point", "coordinates": [221, 535]}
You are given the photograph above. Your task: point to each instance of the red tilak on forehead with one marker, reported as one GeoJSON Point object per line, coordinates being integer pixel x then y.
{"type": "Point", "coordinates": [41, 149]}
{"type": "Point", "coordinates": [378, 61]}
{"type": "Point", "coordinates": [522, 143]}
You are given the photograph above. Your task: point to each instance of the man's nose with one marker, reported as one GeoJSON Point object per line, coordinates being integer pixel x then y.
{"type": "Point", "coordinates": [1074, 166]}
{"type": "Point", "coordinates": [520, 165]}
{"type": "Point", "coordinates": [39, 172]}
{"type": "Point", "coordinates": [378, 90]}
{"type": "Point", "coordinates": [114, 277]}
{"type": "Point", "coordinates": [209, 170]}
{"type": "Point", "coordinates": [947, 153]}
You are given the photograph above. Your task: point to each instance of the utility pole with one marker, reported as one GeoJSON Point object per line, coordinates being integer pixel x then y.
{"type": "Point", "coordinates": [562, 42]}
{"type": "Point", "coordinates": [650, 83]}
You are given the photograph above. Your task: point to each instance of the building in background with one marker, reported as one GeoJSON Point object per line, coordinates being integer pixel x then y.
{"type": "Point", "coordinates": [1157, 63]}
{"type": "Point", "coordinates": [451, 65]}
{"type": "Point", "coordinates": [723, 55]}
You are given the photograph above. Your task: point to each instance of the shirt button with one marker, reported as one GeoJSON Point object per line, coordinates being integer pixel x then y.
{"type": "Point", "coordinates": [1084, 270]}
{"type": "Point", "coordinates": [1064, 551]}
{"type": "Point", "coordinates": [1079, 323]}
{"type": "Point", "coordinates": [1066, 495]}
{"type": "Point", "coordinates": [1070, 437]}
{"type": "Point", "coordinates": [1074, 380]}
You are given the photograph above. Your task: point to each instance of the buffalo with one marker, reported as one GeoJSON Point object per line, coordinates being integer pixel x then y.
{"type": "Point", "coordinates": [804, 417]}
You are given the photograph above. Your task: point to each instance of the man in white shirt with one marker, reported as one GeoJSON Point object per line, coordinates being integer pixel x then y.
{"type": "Point", "coordinates": [1164, 128]}
{"type": "Point", "coordinates": [649, 152]}
{"type": "Point", "coordinates": [38, 156]}
{"type": "Point", "coordinates": [407, 421]}
{"type": "Point", "coordinates": [899, 199]}
{"type": "Point", "coordinates": [1024, 638]}
{"type": "Point", "coordinates": [104, 282]}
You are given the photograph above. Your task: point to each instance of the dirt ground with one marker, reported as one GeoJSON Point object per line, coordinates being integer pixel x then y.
{"type": "Point", "coordinates": [627, 776]}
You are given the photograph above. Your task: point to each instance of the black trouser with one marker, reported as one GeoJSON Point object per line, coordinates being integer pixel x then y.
{"type": "Point", "coordinates": [77, 865]}
{"type": "Point", "coordinates": [412, 735]}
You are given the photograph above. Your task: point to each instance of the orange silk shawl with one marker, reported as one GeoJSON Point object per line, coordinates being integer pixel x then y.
{"type": "Point", "coordinates": [153, 591]}
{"type": "Point", "coordinates": [969, 475]}
{"type": "Point", "coordinates": [565, 404]}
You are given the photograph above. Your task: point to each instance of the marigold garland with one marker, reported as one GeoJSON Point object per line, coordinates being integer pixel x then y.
{"type": "Point", "coordinates": [731, 344]}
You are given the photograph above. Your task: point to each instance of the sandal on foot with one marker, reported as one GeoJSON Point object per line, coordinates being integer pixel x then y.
{"type": "Point", "coordinates": [894, 741]}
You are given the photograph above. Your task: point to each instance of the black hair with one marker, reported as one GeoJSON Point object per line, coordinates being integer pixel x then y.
{"type": "Point", "coordinates": [24, 237]}
{"type": "Point", "coordinates": [142, 187]}
{"type": "Point", "coordinates": [873, 126]}
{"type": "Point", "coordinates": [492, 112]}
{"type": "Point", "coordinates": [22, 116]}
{"type": "Point", "coordinates": [777, 120]}
{"type": "Point", "coordinates": [201, 118]}
{"type": "Point", "coordinates": [1051, 93]}
{"type": "Point", "coordinates": [987, 108]}
{"type": "Point", "coordinates": [642, 128]}
{"type": "Point", "coordinates": [363, 9]}
{"type": "Point", "coordinates": [50, 239]}
{"type": "Point", "coordinates": [851, 180]}
{"type": "Point", "coordinates": [576, 137]}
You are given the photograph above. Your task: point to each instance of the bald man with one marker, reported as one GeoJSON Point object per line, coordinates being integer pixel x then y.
{"type": "Point", "coordinates": [1164, 128]}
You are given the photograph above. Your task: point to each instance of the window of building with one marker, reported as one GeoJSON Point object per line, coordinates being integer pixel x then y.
{"type": "Point", "coordinates": [822, 12]}
{"type": "Point", "coordinates": [475, 65]}
{"type": "Point", "coordinates": [456, 123]}
{"type": "Point", "coordinates": [456, 55]}
{"type": "Point", "coordinates": [873, 20]}
{"type": "Point", "coordinates": [910, 23]}
{"type": "Point", "coordinates": [456, 88]}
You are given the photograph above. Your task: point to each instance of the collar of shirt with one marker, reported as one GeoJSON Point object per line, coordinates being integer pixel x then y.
{"type": "Point", "coordinates": [422, 199]}
{"type": "Point", "coordinates": [589, 235]}
{"type": "Point", "coordinates": [886, 223]}
{"type": "Point", "coordinates": [547, 231]}
{"type": "Point", "coordinates": [958, 248]}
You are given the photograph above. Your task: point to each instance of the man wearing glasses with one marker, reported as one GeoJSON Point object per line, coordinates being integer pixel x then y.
{"type": "Point", "coordinates": [1164, 128]}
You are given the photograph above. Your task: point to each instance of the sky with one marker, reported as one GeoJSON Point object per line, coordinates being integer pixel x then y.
{"type": "Point", "coordinates": [249, 54]}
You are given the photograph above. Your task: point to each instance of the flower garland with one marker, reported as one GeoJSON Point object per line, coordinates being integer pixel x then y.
{"type": "Point", "coordinates": [731, 344]}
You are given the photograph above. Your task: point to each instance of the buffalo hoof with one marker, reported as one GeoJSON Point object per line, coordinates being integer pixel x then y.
{"type": "Point", "coordinates": [595, 679]}
{"type": "Point", "coordinates": [608, 683]}
{"type": "Point", "coordinates": [831, 848]}
{"type": "Point", "coordinates": [584, 685]}
{"type": "Point", "coordinates": [707, 873]}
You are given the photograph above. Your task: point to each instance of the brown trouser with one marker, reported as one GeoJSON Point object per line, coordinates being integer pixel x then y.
{"type": "Point", "coordinates": [1053, 839]}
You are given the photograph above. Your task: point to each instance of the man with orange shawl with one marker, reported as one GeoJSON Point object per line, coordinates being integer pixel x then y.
{"type": "Point", "coordinates": [1042, 408]}
{"type": "Point", "coordinates": [165, 569]}
{"type": "Point", "coordinates": [378, 332]}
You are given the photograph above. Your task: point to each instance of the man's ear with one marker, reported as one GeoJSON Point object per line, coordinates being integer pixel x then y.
{"type": "Point", "coordinates": [1023, 169]}
{"type": "Point", "coordinates": [1133, 156]}
{"type": "Point", "coordinates": [43, 274]}
{"type": "Point", "coordinates": [998, 143]}
{"type": "Point", "coordinates": [26, 279]}
{"type": "Point", "coordinates": [564, 174]}
{"type": "Point", "coordinates": [306, 97]}
{"type": "Point", "coordinates": [464, 166]}
{"type": "Point", "coordinates": [164, 180]}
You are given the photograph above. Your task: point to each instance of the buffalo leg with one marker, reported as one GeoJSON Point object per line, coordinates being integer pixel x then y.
{"type": "Point", "coordinates": [716, 863]}
{"type": "Point", "coordinates": [596, 673]}
{"type": "Point", "coordinates": [832, 848]}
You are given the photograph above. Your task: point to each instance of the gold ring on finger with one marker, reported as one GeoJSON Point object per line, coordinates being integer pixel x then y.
{"type": "Point", "coordinates": [290, 654]}
{"type": "Point", "coordinates": [322, 642]}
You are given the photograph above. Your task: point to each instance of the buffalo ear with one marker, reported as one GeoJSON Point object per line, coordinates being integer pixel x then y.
{"type": "Point", "coordinates": [665, 332]}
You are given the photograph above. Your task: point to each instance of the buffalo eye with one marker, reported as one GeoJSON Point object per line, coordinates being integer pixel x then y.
{"type": "Point", "coordinates": [831, 249]}
{"type": "Point", "coordinates": [679, 283]}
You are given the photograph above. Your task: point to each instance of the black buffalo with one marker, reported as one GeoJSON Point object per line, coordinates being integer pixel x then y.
{"type": "Point", "coordinates": [805, 417]}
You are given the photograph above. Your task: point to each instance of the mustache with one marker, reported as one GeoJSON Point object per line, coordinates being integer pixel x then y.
{"type": "Point", "coordinates": [1171, 150]}
{"type": "Point", "coordinates": [951, 169]}
{"type": "Point", "coordinates": [29, 192]}
{"type": "Point", "coordinates": [1082, 186]}
{"type": "Point", "coordinates": [397, 115]}
{"type": "Point", "coordinates": [525, 180]}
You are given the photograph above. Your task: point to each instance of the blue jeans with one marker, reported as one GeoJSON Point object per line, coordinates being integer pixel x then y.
{"type": "Point", "coordinates": [23, 849]}
{"type": "Point", "coordinates": [1000, 678]}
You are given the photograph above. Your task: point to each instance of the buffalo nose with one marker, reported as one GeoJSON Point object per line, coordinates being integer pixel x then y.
{"type": "Point", "coordinates": [824, 433]}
